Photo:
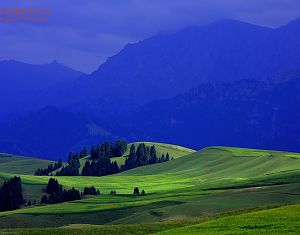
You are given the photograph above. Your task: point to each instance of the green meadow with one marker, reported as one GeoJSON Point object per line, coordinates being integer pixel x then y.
{"type": "Point", "coordinates": [217, 190]}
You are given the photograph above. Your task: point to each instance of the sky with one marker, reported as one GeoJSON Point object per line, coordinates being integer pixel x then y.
{"type": "Point", "coordinates": [82, 34]}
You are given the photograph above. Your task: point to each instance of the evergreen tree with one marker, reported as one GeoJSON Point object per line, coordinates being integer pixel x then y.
{"type": "Point", "coordinates": [120, 148]}
{"type": "Point", "coordinates": [167, 157]}
{"type": "Point", "coordinates": [153, 155]}
{"type": "Point", "coordinates": [136, 191]}
{"type": "Point", "coordinates": [91, 191]}
{"type": "Point", "coordinates": [11, 196]}
{"type": "Point", "coordinates": [44, 199]}
{"type": "Point", "coordinates": [53, 187]}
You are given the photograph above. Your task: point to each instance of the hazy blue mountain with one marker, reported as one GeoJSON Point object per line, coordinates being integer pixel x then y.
{"type": "Point", "coordinates": [246, 113]}
{"type": "Point", "coordinates": [209, 85]}
{"type": "Point", "coordinates": [51, 133]}
{"type": "Point", "coordinates": [168, 64]}
{"type": "Point", "coordinates": [22, 85]}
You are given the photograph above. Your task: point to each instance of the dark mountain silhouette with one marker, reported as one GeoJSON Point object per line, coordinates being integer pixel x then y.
{"type": "Point", "coordinates": [168, 64]}
{"type": "Point", "coordinates": [51, 133]}
{"type": "Point", "coordinates": [23, 84]}
{"type": "Point", "coordinates": [228, 83]}
{"type": "Point", "coordinates": [246, 113]}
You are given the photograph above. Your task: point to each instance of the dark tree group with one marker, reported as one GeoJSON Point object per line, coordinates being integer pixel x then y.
{"type": "Point", "coordinates": [107, 150]}
{"type": "Point", "coordinates": [91, 191]}
{"type": "Point", "coordinates": [49, 169]}
{"type": "Point", "coordinates": [100, 163]}
{"type": "Point", "coordinates": [57, 194]}
{"type": "Point", "coordinates": [142, 156]}
{"type": "Point", "coordinates": [136, 191]}
{"type": "Point", "coordinates": [11, 197]}
{"type": "Point", "coordinates": [100, 167]}
{"type": "Point", "coordinates": [72, 169]}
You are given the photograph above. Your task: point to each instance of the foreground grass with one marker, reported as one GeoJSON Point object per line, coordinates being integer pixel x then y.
{"type": "Point", "coordinates": [283, 220]}
{"type": "Point", "coordinates": [212, 181]}
{"type": "Point", "coordinates": [95, 229]}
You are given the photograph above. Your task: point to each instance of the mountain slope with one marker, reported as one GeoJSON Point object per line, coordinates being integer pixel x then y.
{"type": "Point", "coordinates": [51, 133]}
{"type": "Point", "coordinates": [23, 82]}
{"type": "Point", "coordinates": [247, 113]}
{"type": "Point", "coordinates": [168, 64]}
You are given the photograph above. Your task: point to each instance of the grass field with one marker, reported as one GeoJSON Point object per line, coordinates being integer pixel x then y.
{"type": "Point", "coordinates": [183, 191]}
{"type": "Point", "coordinates": [283, 220]}
{"type": "Point", "coordinates": [21, 165]}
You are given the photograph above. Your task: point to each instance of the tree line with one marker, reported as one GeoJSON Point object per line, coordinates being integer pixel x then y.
{"type": "Point", "coordinates": [142, 156]}
{"type": "Point", "coordinates": [100, 165]}
{"type": "Point", "coordinates": [100, 162]}
{"type": "Point", "coordinates": [49, 169]}
{"type": "Point", "coordinates": [11, 196]}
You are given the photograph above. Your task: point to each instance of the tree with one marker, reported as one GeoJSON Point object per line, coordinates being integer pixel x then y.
{"type": "Point", "coordinates": [136, 191]}
{"type": "Point", "coordinates": [143, 192]}
{"type": "Point", "coordinates": [58, 195]}
{"type": "Point", "coordinates": [11, 196]}
{"type": "Point", "coordinates": [120, 148]}
{"type": "Point", "coordinates": [49, 169]}
{"type": "Point", "coordinates": [167, 157]}
{"type": "Point", "coordinates": [53, 187]}
{"type": "Point", "coordinates": [153, 155]}
{"type": "Point", "coordinates": [91, 191]}
{"type": "Point", "coordinates": [44, 199]}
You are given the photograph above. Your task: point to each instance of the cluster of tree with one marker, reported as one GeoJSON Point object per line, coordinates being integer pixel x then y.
{"type": "Point", "coordinates": [29, 203]}
{"type": "Point", "coordinates": [11, 197]}
{"type": "Point", "coordinates": [57, 194]}
{"type": "Point", "coordinates": [107, 150]}
{"type": "Point", "coordinates": [91, 191]}
{"type": "Point", "coordinates": [72, 169]}
{"type": "Point", "coordinates": [101, 167]}
{"type": "Point", "coordinates": [68, 171]}
{"type": "Point", "coordinates": [49, 169]}
{"type": "Point", "coordinates": [136, 191]}
{"type": "Point", "coordinates": [142, 156]}
{"type": "Point", "coordinates": [113, 192]}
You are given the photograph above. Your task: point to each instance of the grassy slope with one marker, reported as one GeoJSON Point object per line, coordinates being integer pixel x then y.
{"type": "Point", "coordinates": [177, 189]}
{"type": "Point", "coordinates": [21, 165]}
{"type": "Point", "coordinates": [283, 220]}
{"type": "Point", "coordinates": [175, 151]}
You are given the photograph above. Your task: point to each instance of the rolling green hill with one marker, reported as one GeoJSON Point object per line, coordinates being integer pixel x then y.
{"type": "Point", "coordinates": [21, 165]}
{"type": "Point", "coordinates": [206, 183]}
{"type": "Point", "coordinates": [283, 220]}
{"type": "Point", "coordinates": [175, 151]}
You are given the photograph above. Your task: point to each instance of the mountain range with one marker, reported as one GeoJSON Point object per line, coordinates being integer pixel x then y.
{"type": "Point", "coordinates": [227, 83]}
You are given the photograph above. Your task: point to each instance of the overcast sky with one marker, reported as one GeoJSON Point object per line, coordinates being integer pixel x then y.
{"type": "Point", "coordinates": [83, 33]}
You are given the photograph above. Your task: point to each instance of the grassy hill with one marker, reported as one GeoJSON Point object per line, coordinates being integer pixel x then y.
{"type": "Point", "coordinates": [21, 165]}
{"type": "Point", "coordinates": [206, 183]}
{"type": "Point", "coordinates": [283, 220]}
{"type": "Point", "coordinates": [175, 151]}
